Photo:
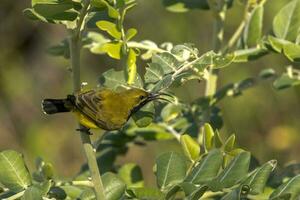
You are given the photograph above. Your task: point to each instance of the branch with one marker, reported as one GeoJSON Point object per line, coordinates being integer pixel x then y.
{"type": "Point", "coordinates": [75, 46]}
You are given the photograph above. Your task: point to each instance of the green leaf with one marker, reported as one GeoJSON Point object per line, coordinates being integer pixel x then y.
{"type": "Point", "coordinates": [154, 73]}
{"type": "Point", "coordinates": [181, 6]}
{"type": "Point", "coordinates": [62, 192]}
{"type": "Point", "coordinates": [285, 81]}
{"type": "Point", "coordinates": [37, 191]}
{"type": "Point", "coordinates": [131, 66]}
{"type": "Point", "coordinates": [99, 3]}
{"type": "Point", "coordinates": [277, 44]}
{"type": "Point", "coordinates": [207, 168]}
{"type": "Point", "coordinates": [287, 21]}
{"type": "Point", "coordinates": [31, 14]}
{"type": "Point", "coordinates": [292, 52]}
{"type": "Point", "coordinates": [167, 62]}
{"type": "Point", "coordinates": [13, 172]}
{"type": "Point", "coordinates": [114, 79]}
{"type": "Point", "coordinates": [267, 73]}
{"type": "Point", "coordinates": [172, 191]}
{"type": "Point", "coordinates": [208, 137]}
{"type": "Point", "coordinates": [163, 83]}
{"type": "Point", "coordinates": [87, 194]}
{"type": "Point", "coordinates": [220, 61]}
{"type": "Point", "coordinates": [229, 144]}
{"type": "Point", "coordinates": [184, 5]}
{"type": "Point", "coordinates": [291, 188]}
{"type": "Point", "coordinates": [110, 28]}
{"type": "Point", "coordinates": [113, 49]}
{"type": "Point", "coordinates": [211, 59]}
{"type": "Point", "coordinates": [112, 12]}
{"type": "Point", "coordinates": [190, 147]}
{"type": "Point", "coordinates": [145, 193]}
{"type": "Point", "coordinates": [253, 28]}
{"type": "Point", "coordinates": [234, 172]}
{"type": "Point", "coordinates": [55, 9]}
{"type": "Point", "coordinates": [32, 193]}
{"type": "Point", "coordinates": [130, 33]}
{"type": "Point", "coordinates": [62, 49]}
{"type": "Point", "coordinates": [114, 187]}
{"type": "Point", "coordinates": [97, 40]}
{"type": "Point", "coordinates": [246, 55]}
{"type": "Point", "coordinates": [153, 132]}
{"type": "Point", "coordinates": [145, 115]}
{"type": "Point", "coordinates": [217, 140]}
{"type": "Point", "coordinates": [170, 112]}
{"type": "Point", "coordinates": [258, 178]}
{"type": "Point", "coordinates": [198, 193]}
{"type": "Point", "coordinates": [188, 188]}
{"type": "Point", "coordinates": [131, 174]}
{"type": "Point", "coordinates": [171, 169]}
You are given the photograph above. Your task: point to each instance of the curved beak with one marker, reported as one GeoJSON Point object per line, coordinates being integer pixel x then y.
{"type": "Point", "coordinates": [151, 97]}
{"type": "Point", "coordinates": [159, 96]}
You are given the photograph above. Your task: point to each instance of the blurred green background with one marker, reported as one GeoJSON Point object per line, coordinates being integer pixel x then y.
{"type": "Point", "coordinates": [266, 121]}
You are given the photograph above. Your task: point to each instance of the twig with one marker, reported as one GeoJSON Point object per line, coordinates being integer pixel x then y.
{"type": "Point", "coordinates": [171, 130]}
{"type": "Point", "coordinates": [138, 45]}
{"type": "Point", "coordinates": [15, 196]}
{"type": "Point", "coordinates": [83, 183]}
{"type": "Point", "coordinates": [238, 32]}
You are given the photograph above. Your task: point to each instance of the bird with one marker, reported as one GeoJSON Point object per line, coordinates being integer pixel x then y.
{"type": "Point", "coordinates": [102, 108]}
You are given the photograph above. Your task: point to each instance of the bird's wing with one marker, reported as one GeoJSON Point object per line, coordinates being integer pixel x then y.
{"type": "Point", "coordinates": [89, 104]}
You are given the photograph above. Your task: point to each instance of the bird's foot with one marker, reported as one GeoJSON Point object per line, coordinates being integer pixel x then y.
{"type": "Point", "coordinates": [85, 130]}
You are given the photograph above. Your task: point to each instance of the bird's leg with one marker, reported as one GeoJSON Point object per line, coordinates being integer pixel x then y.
{"type": "Point", "coordinates": [85, 130]}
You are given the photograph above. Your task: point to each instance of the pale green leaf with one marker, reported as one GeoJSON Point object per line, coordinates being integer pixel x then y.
{"type": "Point", "coordinates": [114, 79]}
{"type": "Point", "coordinates": [113, 49]}
{"type": "Point", "coordinates": [170, 112]}
{"type": "Point", "coordinates": [234, 172]}
{"type": "Point", "coordinates": [171, 169]}
{"type": "Point", "coordinates": [130, 33]}
{"type": "Point", "coordinates": [208, 137]}
{"type": "Point", "coordinates": [13, 172]}
{"type": "Point", "coordinates": [287, 21]}
{"type": "Point", "coordinates": [229, 144]}
{"type": "Point", "coordinates": [114, 187]}
{"type": "Point", "coordinates": [285, 81]}
{"type": "Point", "coordinates": [258, 178]}
{"type": "Point", "coordinates": [253, 28]}
{"type": "Point", "coordinates": [190, 147]}
{"type": "Point", "coordinates": [291, 188]}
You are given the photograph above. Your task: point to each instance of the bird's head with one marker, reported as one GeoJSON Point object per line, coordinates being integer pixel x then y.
{"type": "Point", "coordinates": [137, 98]}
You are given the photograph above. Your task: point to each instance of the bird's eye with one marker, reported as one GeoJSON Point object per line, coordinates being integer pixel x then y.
{"type": "Point", "coordinates": [142, 97]}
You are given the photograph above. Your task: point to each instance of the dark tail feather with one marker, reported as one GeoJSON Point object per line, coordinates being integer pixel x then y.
{"type": "Point", "coordinates": [52, 106]}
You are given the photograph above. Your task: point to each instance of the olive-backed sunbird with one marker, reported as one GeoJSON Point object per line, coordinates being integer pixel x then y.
{"type": "Point", "coordinates": [102, 108]}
